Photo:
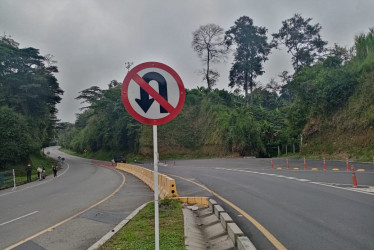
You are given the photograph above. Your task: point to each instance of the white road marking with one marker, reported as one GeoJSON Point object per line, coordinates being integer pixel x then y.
{"type": "Point", "coordinates": [304, 180]}
{"type": "Point", "coordinates": [358, 190]}
{"type": "Point", "coordinates": [23, 216]}
{"type": "Point", "coordinates": [291, 178]}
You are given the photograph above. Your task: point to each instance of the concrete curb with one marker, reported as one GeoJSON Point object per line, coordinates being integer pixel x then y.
{"type": "Point", "coordinates": [235, 233]}
{"type": "Point", "coordinates": [110, 234]}
{"type": "Point", "coordinates": [203, 201]}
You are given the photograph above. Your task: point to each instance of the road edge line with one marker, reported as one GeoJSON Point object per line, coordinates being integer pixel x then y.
{"type": "Point", "coordinates": [71, 217]}
{"type": "Point", "coordinates": [276, 243]}
{"type": "Point", "coordinates": [110, 234]}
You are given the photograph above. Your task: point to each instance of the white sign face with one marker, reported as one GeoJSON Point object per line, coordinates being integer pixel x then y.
{"type": "Point", "coordinates": [153, 93]}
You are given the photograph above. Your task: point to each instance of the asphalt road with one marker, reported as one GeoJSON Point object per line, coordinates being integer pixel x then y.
{"type": "Point", "coordinates": [71, 211]}
{"type": "Point", "coordinates": [302, 209]}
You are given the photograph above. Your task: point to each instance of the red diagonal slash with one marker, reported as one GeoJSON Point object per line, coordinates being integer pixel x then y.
{"type": "Point", "coordinates": [153, 93]}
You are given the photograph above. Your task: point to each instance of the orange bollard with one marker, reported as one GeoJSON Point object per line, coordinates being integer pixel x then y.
{"type": "Point", "coordinates": [324, 164]}
{"type": "Point", "coordinates": [304, 164]}
{"type": "Point", "coordinates": [354, 178]}
{"type": "Point", "coordinates": [272, 165]}
{"type": "Point", "coordinates": [288, 165]}
{"type": "Point", "coordinates": [347, 164]}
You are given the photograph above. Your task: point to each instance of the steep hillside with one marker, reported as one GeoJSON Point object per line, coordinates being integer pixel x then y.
{"type": "Point", "coordinates": [349, 132]}
{"type": "Point", "coordinates": [210, 124]}
{"type": "Point", "coordinates": [328, 106]}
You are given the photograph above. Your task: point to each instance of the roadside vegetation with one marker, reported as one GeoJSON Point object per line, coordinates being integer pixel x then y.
{"type": "Point", "coordinates": [324, 108]}
{"type": "Point", "coordinates": [37, 159]}
{"type": "Point", "coordinates": [139, 232]}
{"type": "Point", "coordinates": [29, 93]}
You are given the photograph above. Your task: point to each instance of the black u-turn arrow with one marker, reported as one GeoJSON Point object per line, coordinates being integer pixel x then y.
{"type": "Point", "coordinates": [144, 102]}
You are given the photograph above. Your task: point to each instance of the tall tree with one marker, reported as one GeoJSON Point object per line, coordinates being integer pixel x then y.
{"type": "Point", "coordinates": [15, 140]}
{"type": "Point", "coordinates": [302, 39]}
{"type": "Point", "coordinates": [90, 95]}
{"type": "Point", "coordinates": [29, 88]}
{"type": "Point", "coordinates": [364, 44]}
{"type": "Point", "coordinates": [209, 44]}
{"type": "Point", "coordinates": [252, 49]}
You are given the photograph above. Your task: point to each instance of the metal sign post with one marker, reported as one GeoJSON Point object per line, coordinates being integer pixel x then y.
{"type": "Point", "coordinates": [155, 163]}
{"type": "Point", "coordinates": [153, 104]}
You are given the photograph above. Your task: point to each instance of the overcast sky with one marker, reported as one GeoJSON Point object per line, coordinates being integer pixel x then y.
{"type": "Point", "coordinates": [91, 40]}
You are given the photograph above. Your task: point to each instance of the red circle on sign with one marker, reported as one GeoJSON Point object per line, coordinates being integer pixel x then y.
{"type": "Point", "coordinates": [133, 75]}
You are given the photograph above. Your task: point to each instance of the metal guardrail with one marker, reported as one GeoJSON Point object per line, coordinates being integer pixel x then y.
{"type": "Point", "coordinates": [7, 178]}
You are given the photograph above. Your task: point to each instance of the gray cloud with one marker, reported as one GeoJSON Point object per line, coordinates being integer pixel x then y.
{"type": "Point", "coordinates": [91, 40]}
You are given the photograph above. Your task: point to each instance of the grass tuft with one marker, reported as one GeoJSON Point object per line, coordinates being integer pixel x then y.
{"type": "Point", "coordinates": [139, 233]}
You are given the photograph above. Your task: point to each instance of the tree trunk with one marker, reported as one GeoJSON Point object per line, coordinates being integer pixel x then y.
{"type": "Point", "coordinates": [251, 90]}
{"type": "Point", "coordinates": [207, 71]}
{"type": "Point", "coordinates": [246, 89]}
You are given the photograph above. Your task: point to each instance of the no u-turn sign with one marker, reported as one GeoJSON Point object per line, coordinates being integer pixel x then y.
{"type": "Point", "coordinates": [153, 93]}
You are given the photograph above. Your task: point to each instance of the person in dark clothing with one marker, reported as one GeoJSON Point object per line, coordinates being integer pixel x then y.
{"type": "Point", "coordinates": [28, 172]}
{"type": "Point", "coordinates": [43, 173]}
{"type": "Point", "coordinates": [54, 168]}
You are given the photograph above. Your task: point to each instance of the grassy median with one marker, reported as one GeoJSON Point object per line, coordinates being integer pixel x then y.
{"type": "Point", "coordinates": [139, 233]}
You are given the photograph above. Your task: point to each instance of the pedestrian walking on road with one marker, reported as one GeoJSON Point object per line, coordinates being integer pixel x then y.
{"type": "Point", "coordinates": [43, 173]}
{"type": "Point", "coordinates": [54, 168]}
{"type": "Point", "coordinates": [39, 170]}
{"type": "Point", "coordinates": [28, 172]}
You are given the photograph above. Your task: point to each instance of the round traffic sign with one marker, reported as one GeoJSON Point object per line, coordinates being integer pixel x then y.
{"type": "Point", "coordinates": [153, 93]}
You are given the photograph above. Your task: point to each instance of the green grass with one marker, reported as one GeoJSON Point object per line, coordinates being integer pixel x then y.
{"type": "Point", "coordinates": [36, 160]}
{"type": "Point", "coordinates": [139, 233]}
{"type": "Point", "coordinates": [337, 145]}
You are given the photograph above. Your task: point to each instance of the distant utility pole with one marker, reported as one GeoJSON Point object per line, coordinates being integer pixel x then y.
{"type": "Point", "coordinates": [128, 66]}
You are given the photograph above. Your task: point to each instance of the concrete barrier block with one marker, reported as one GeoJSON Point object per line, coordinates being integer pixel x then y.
{"type": "Point", "coordinates": [225, 218]}
{"type": "Point", "coordinates": [234, 232]}
{"type": "Point", "coordinates": [202, 201]}
{"type": "Point", "coordinates": [245, 244]}
{"type": "Point", "coordinates": [218, 210]}
{"type": "Point", "coordinates": [166, 185]}
{"type": "Point", "coordinates": [211, 204]}
{"type": "Point", "coordinates": [183, 199]}
{"type": "Point", "coordinates": [172, 187]}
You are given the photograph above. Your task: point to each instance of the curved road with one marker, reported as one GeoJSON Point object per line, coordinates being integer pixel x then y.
{"type": "Point", "coordinates": [68, 212]}
{"type": "Point", "coordinates": [276, 208]}
{"type": "Point", "coordinates": [300, 209]}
